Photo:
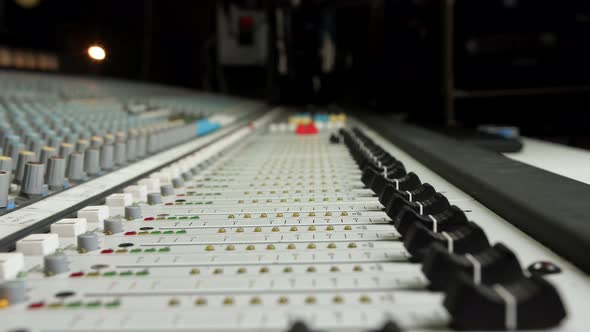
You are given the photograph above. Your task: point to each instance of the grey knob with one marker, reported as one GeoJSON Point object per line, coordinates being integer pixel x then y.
{"type": "Point", "coordinates": [109, 139]}
{"type": "Point", "coordinates": [71, 138]}
{"type": "Point", "coordinates": [12, 150]}
{"type": "Point", "coordinates": [35, 145]}
{"type": "Point", "coordinates": [96, 142]}
{"type": "Point", "coordinates": [92, 161]}
{"type": "Point", "coordinates": [107, 152]}
{"type": "Point", "coordinates": [14, 291]}
{"type": "Point", "coordinates": [167, 190]}
{"type": "Point", "coordinates": [113, 226]}
{"type": "Point", "coordinates": [32, 183]}
{"type": "Point", "coordinates": [120, 154]}
{"type": "Point", "coordinates": [141, 145]}
{"type": "Point", "coordinates": [87, 242]}
{"type": "Point", "coordinates": [4, 187]}
{"type": "Point", "coordinates": [131, 147]}
{"type": "Point", "coordinates": [177, 183]}
{"type": "Point", "coordinates": [82, 145]}
{"type": "Point", "coordinates": [56, 172]}
{"type": "Point", "coordinates": [65, 149]}
{"type": "Point", "coordinates": [187, 176]}
{"type": "Point", "coordinates": [154, 198]}
{"type": "Point", "coordinates": [23, 158]}
{"type": "Point", "coordinates": [46, 153]}
{"type": "Point", "coordinates": [55, 264]}
{"type": "Point", "coordinates": [6, 164]}
{"type": "Point", "coordinates": [55, 142]}
{"type": "Point", "coordinates": [75, 166]}
{"type": "Point", "coordinates": [132, 212]}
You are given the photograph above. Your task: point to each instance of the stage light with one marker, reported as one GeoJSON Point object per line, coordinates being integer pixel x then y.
{"type": "Point", "coordinates": [97, 53]}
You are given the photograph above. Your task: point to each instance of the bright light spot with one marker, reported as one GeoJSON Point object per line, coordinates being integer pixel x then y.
{"type": "Point", "coordinates": [97, 53]}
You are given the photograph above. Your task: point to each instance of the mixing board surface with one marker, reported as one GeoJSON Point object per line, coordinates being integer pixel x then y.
{"type": "Point", "coordinates": [261, 221]}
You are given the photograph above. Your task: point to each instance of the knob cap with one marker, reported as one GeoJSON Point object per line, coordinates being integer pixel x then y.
{"type": "Point", "coordinates": [55, 264]}
{"type": "Point", "coordinates": [87, 242]}
{"type": "Point", "coordinates": [14, 291]}
{"type": "Point", "coordinates": [132, 212]}
{"type": "Point", "coordinates": [4, 187]}
{"type": "Point", "coordinates": [23, 158]}
{"type": "Point", "coordinates": [46, 153]}
{"type": "Point", "coordinates": [92, 161]}
{"type": "Point", "coordinates": [177, 183]}
{"type": "Point", "coordinates": [167, 190]}
{"type": "Point", "coordinates": [6, 164]}
{"type": "Point", "coordinates": [65, 149]}
{"type": "Point", "coordinates": [107, 152]}
{"type": "Point", "coordinates": [112, 226]}
{"type": "Point", "coordinates": [82, 145]}
{"type": "Point", "coordinates": [154, 198]}
{"type": "Point", "coordinates": [75, 167]}
{"type": "Point", "coordinates": [33, 179]}
{"type": "Point", "coordinates": [56, 170]}
{"type": "Point", "coordinates": [187, 176]}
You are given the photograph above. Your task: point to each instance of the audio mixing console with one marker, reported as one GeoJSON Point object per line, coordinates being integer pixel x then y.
{"type": "Point", "coordinates": [129, 207]}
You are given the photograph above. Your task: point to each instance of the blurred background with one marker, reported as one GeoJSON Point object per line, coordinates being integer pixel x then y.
{"type": "Point", "coordinates": [439, 63]}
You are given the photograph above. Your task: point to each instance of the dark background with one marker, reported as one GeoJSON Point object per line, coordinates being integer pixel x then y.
{"type": "Point", "coordinates": [514, 62]}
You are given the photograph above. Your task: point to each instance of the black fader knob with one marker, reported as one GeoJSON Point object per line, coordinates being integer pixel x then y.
{"type": "Point", "coordinates": [432, 205]}
{"type": "Point", "coordinates": [496, 264]}
{"type": "Point", "coordinates": [445, 221]}
{"type": "Point", "coordinates": [469, 238]}
{"type": "Point", "coordinates": [523, 304]}
{"type": "Point", "coordinates": [410, 182]}
{"type": "Point", "coordinates": [421, 193]}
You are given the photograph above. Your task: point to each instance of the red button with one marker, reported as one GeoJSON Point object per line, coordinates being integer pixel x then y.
{"type": "Point", "coordinates": [306, 129]}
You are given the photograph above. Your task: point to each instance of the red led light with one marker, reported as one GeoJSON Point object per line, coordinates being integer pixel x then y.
{"type": "Point", "coordinates": [36, 305]}
{"type": "Point", "coordinates": [168, 204]}
{"type": "Point", "coordinates": [77, 274]}
{"type": "Point", "coordinates": [246, 22]}
{"type": "Point", "coordinates": [307, 129]}
{"type": "Point", "coordinates": [131, 233]}
{"type": "Point", "coordinates": [107, 251]}
{"type": "Point", "coordinates": [148, 218]}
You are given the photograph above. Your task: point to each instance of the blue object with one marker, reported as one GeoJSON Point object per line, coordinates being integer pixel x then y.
{"type": "Point", "coordinates": [204, 127]}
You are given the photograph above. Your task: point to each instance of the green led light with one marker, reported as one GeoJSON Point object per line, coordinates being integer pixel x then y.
{"type": "Point", "coordinates": [142, 273]}
{"type": "Point", "coordinates": [126, 273]}
{"type": "Point", "coordinates": [181, 232]}
{"type": "Point", "coordinates": [109, 274]}
{"type": "Point", "coordinates": [156, 233]}
{"type": "Point", "coordinates": [150, 250]}
{"type": "Point", "coordinates": [164, 249]}
{"type": "Point", "coordinates": [189, 203]}
{"type": "Point", "coordinates": [143, 233]}
{"type": "Point", "coordinates": [182, 218]}
{"type": "Point", "coordinates": [209, 202]}
{"type": "Point", "coordinates": [172, 218]}
{"type": "Point", "coordinates": [114, 304]}
{"type": "Point", "coordinates": [168, 232]}
{"type": "Point", "coordinates": [179, 203]}
{"type": "Point", "coordinates": [135, 251]}
{"type": "Point", "coordinates": [93, 305]}
{"type": "Point", "coordinates": [195, 217]}
{"type": "Point", "coordinates": [74, 305]}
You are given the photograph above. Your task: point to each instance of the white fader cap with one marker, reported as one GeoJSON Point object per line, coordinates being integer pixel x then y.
{"type": "Point", "coordinates": [94, 215]}
{"type": "Point", "coordinates": [69, 227]}
{"type": "Point", "coordinates": [38, 244]}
